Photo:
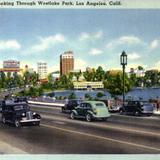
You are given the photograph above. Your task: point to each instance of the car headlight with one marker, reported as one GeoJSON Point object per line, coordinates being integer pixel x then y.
{"type": "Point", "coordinates": [23, 114]}
{"type": "Point", "coordinates": [95, 111]}
{"type": "Point", "coordinates": [34, 113]}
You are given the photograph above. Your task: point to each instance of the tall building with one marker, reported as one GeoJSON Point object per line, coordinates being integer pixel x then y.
{"type": "Point", "coordinates": [42, 70]}
{"type": "Point", "coordinates": [66, 62]}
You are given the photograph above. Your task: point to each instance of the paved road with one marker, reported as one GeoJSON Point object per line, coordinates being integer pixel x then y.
{"type": "Point", "coordinates": [59, 134]}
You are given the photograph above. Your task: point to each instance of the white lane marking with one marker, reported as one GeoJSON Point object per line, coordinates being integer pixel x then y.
{"type": "Point", "coordinates": [103, 126]}
{"type": "Point", "coordinates": [59, 122]}
{"type": "Point", "coordinates": [45, 103]}
{"type": "Point", "coordinates": [101, 137]}
{"type": "Point", "coordinates": [43, 107]}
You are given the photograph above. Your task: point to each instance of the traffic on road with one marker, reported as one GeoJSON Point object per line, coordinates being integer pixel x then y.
{"type": "Point", "coordinates": [64, 133]}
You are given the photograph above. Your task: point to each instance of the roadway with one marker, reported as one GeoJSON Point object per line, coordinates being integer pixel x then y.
{"type": "Point", "coordinates": [58, 134]}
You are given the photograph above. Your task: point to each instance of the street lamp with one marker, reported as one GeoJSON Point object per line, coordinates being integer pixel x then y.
{"type": "Point", "coordinates": [123, 60]}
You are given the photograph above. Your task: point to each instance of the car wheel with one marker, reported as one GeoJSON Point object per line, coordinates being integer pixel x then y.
{"type": "Point", "coordinates": [121, 111]}
{"type": "Point", "coordinates": [105, 119]}
{"type": "Point", "coordinates": [72, 115]}
{"type": "Point", "coordinates": [3, 120]}
{"type": "Point", "coordinates": [38, 123]}
{"type": "Point", "coordinates": [88, 118]}
{"type": "Point", "coordinates": [137, 113]}
{"type": "Point", "coordinates": [62, 110]}
{"type": "Point", "coordinates": [17, 123]}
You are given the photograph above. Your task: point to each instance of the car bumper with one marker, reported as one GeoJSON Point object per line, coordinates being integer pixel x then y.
{"type": "Point", "coordinates": [100, 117]}
{"type": "Point", "coordinates": [147, 112]}
{"type": "Point", "coordinates": [29, 120]}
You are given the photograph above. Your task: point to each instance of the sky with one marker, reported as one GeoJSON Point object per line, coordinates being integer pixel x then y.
{"type": "Point", "coordinates": [97, 37]}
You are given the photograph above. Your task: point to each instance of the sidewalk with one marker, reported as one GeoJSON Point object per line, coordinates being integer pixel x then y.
{"type": "Point", "coordinates": [8, 149]}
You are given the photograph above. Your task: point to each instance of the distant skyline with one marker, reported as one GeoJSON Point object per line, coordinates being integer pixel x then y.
{"type": "Point", "coordinates": [96, 36]}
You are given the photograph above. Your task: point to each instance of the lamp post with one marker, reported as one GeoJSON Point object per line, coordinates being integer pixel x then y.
{"type": "Point", "coordinates": [123, 60]}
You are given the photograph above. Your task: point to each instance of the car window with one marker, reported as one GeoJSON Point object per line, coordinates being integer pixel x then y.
{"type": "Point", "coordinates": [82, 105]}
{"type": "Point", "coordinates": [99, 105]}
{"type": "Point", "coordinates": [88, 105]}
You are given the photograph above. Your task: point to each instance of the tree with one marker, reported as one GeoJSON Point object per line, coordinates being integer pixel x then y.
{"type": "Point", "coordinates": [114, 83]}
{"type": "Point", "coordinates": [152, 77]}
{"type": "Point", "coordinates": [72, 96]}
{"type": "Point", "coordinates": [140, 68]}
{"type": "Point", "coordinates": [2, 79]}
{"type": "Point", "coordinates": [77, 75]}
{"type": "Point", "coordinates": [89, 75]}
{"type": "Point", "coordinates": [100, 73]}
{"type": "Point", "coordinates": [99, 95]}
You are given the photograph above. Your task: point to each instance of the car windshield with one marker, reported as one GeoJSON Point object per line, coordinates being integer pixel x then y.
{"type": "Point", "coordinates": [20, 107]}
{"type": "Point", "coordinates": [99, 105]}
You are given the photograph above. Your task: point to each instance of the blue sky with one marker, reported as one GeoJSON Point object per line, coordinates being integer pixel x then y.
{"type": "Point", "coordinates": [96, 36]}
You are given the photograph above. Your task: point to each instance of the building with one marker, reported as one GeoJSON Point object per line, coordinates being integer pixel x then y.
{"type": "Point", "coordinates": [88, 85]}
{"type": "Point", "coordinates": [42, 70]}
{"type": "Point", "coordinates": [66, 62]}
{"type": "Point", "coordinates": [11, 66]}
{"type": "Point", "coordinates": [137, 72]}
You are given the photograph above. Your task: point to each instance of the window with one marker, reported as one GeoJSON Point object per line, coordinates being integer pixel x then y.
{"type": "Point", "coordinates": [99, 105]}
{"type": "Point", "coordinates": [88, 105]}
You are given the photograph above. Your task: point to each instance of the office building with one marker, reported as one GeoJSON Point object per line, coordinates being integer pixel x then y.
{"type": "Point", "coordinates": [42, 70]}
{"type": "Point", "coordinates": [66, 62]}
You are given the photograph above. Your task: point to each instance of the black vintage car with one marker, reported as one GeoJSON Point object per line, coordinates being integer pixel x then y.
{"type": "Point", "coordinates": [70, 105]}
{"type": "Point", "coordinates": [18, 113]}
{"type": "Point", "coordinates": [137, 108]}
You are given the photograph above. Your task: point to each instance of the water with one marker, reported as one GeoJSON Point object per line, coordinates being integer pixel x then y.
{"type": "Point", "coordinates": [137, 93]}
{"type": "Point", "coordinates": [81, 94]}
{"type": "Point", "coordinates": [144, 94]}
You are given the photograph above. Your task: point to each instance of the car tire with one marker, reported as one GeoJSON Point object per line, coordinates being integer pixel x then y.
{"type": "Point", "coordinates": [17, 123]}
{"type": "Point", "coordinates": [38, 123]}
{"type": "Point", "coordinates": [137, 113]}
{"type": "Point", "coordinates": [72, 115]}
{"type": "Point", "coordinates": [104, 119]}
{"type": "Point", "coordinates": [3, 120]}
{"type": "Point", "coordinates": [121, 111]}
{"type": "Point", "coordinates": [88, 117]}
{"type": "Point", "coordinates": [63, 110]}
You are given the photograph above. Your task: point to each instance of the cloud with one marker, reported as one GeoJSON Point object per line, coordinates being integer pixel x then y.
{"type": "Point", "coordinates": [89, 36]}
{"type": "Point", "coordinates": [133, 56]}
{"type": "Point", "coordinates": [10, 45]}
{"type": "Point", "coordinates": [127, 40]}
{"type": "Point", "coordinates": [95, 51]}
{"type": "Point", "coordinates": [47, 42]}
{"type": "Point", "coordinates": [155, 44]}
{"type": "Point", "coordinates": [80, 64]}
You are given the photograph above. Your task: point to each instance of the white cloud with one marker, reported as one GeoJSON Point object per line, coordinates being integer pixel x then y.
{"type": "Point", "coordinates": [80, 64]}
{"type": "Point", "coordinates": [129, 40]}
{"type": "Point", "coordinates": [9, 45]}
{"type": "Point", "coordinates": [95, 51]}
{"type": "Point", "coordinates": [155, 44]}
{"type": "Point", "coordinates": [133, 56]}
{"type": "Point", "coordinates": [99, 34]}
{"type": "Point", "coordinates": [47, 42]}
{"type": "Point", "coordinates": [89, 36]}
{"type": "Point", "coordinates": [84, 36]}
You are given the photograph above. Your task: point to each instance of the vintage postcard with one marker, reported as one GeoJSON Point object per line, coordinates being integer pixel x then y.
{"type": "Point", "coordinates": [80, 79]}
